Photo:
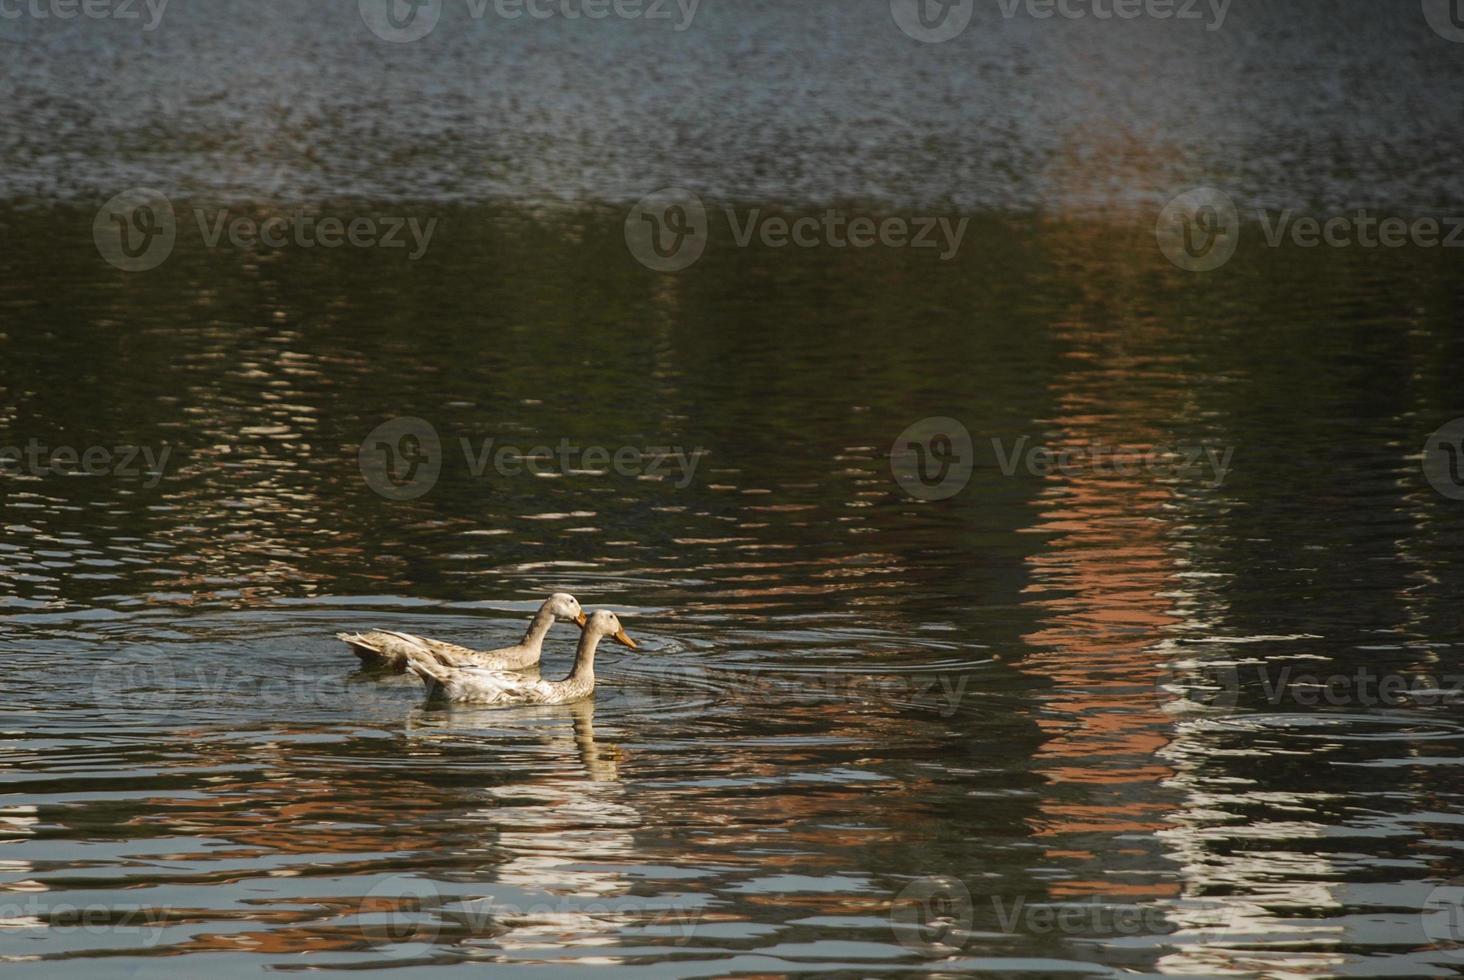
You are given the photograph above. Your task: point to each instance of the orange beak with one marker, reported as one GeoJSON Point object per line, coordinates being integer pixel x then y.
{"type": "Point", "coordinates": [621, 638]}
{"type": "Point", "coordinates": [581, 619]}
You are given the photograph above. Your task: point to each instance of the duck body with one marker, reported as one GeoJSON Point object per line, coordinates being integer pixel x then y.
{"type": "Point", "coordinates": [387, 649]}
{"type": "Point", "coordinates": [478, 685]}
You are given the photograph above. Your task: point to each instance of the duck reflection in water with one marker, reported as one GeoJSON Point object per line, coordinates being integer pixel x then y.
{"type": "Point", "coordinates": [561, 820]}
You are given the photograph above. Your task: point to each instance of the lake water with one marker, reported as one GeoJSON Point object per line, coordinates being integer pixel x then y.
{"type": "Point", "coordinates": [1171, 681]}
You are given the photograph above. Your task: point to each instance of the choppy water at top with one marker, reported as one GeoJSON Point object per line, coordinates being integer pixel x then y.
{"type": "Point", "coordinates": [1343, 104]}
{"type": "Point", "coordinates": [1068, 721]}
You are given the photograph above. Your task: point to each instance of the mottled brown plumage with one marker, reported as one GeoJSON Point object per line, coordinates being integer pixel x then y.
{"type": "Point", "coordinates": [475, 685]}
{"type": "Point", "coordinates": [387, 649]}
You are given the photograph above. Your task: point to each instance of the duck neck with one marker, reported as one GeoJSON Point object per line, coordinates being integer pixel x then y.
{"type": "Point", "coordinates": [539, 628]}
{"type": "Point", "coordinates": [584, 659]}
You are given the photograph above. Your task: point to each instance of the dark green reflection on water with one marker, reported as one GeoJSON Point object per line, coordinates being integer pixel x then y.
{"type": "Point", "coordinates": [992, 714]}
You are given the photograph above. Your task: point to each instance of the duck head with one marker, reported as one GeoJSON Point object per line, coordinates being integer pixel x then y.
{"type": "Point", "coordinates": [566, 607]}
{"type": "Point", "coordinates": [603, 622]}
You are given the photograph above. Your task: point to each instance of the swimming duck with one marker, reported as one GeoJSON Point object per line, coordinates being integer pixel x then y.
{"type": "Point", "coordinates": [474, 685]}
{"type": "Point", "coordinates": [388, 649]}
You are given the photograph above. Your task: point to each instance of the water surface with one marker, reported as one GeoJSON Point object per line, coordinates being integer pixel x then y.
{"type": "Point", "coordinates": [1065, 722]}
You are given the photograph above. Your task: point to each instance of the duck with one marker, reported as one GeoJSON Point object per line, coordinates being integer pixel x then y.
{"type": "Point", "coordinates": [387, 649]}
{"type": "Point", "coordinates": [475, 685]}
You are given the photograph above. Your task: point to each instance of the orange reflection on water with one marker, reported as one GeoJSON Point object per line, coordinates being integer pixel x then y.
{"type": "Point", "coordinates": [1102, 580]}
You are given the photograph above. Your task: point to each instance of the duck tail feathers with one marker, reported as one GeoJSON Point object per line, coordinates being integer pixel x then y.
{"type": "Point", "coordinates": [421, 662]}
